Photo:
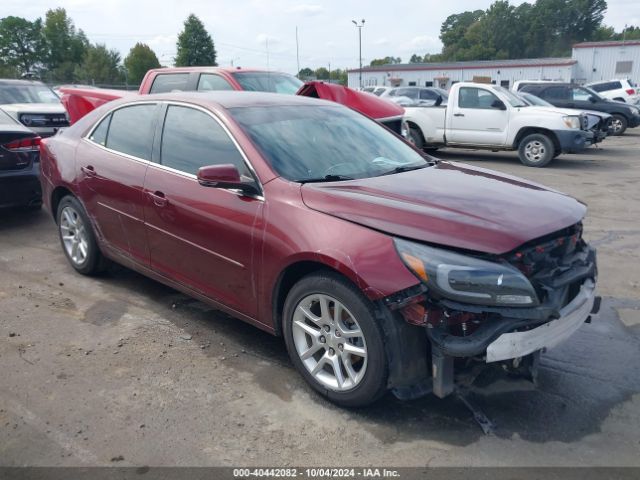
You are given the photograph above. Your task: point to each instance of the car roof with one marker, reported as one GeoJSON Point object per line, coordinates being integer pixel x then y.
{"type": "Point", "coordinates": [230, 99]}
{"type": "Point", "coordinates": [213, 69]}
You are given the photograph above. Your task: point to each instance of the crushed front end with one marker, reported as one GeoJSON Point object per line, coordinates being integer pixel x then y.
{"type": "Point", "coordinates": [506, 309]}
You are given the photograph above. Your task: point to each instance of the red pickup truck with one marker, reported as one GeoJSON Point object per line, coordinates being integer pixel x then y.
{"type": "Point", "coordinates": [80, 101]}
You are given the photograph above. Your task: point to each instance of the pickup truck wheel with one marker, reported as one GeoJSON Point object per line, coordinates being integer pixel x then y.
{"type": "Point", "coordinates": [618, 124]}
{"type": "Point", "coordinates": [416, 138]}
{"type": "Point", "coordinates": [77, 237]}
{"type": "Point", "coordinates": [536, 150]}
{"type": "Point", "coordinates": [334, 341]}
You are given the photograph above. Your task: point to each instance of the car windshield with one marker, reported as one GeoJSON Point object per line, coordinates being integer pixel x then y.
{"type": "Point", "coordinates": [325, 143]}
{"type": "Point", "coordinates": [16, 93]}
{"type": "Point", "coordinates": [533, 100]}
{"type": "Point", "coordinates": [268, 82]}
{"type": "Point", "coordinates": [513, 100]}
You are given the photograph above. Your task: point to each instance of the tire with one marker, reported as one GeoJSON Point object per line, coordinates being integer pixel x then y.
{"type": "Point", "coordinates": [619, 124]}
{"type": "Point", "coordinates": [416, 138]}
{"type": "Point", "coordinates": [77, 237]}
{"type": "Point", "coordinates": [536, 150]}
{"type": "Point", "coordinates": [364, 372]}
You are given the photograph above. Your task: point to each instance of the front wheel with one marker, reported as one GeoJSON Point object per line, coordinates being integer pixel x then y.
{"type": "Point", "coordinates": [618, 124]}
{"type": "Point", "coordinates": [536, 150]}
{"type": "Point", "coordinates": [334, 341]}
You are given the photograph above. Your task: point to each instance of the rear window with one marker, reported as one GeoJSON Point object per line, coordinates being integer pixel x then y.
{"type": "Point", "coordinates": [27, 93]}
{"type": "Point", "coordinates": [268, 82]}
{"type": "Point", "coordinates": [131, 130]}
{"type": "Point", "coordinates": [169, 82]}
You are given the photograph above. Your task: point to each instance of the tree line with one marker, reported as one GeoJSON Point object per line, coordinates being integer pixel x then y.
{"type": "Point", "coordinates": [53, 50]}
{"type": "Point", "coordinates": [545, 28]}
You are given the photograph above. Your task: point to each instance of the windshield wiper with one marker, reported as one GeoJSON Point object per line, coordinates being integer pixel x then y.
{"type": "Point", "coordinates": [403, 169]}
{"type": "Point", "coordinates": [326, 178]}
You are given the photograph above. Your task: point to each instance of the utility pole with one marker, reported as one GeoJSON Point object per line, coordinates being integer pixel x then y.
{"type": "Point", "coordinates": [297, 53]}
{"type": "Point", "coordinates": [359, 26]}
{"type": "Point", "coordinates": [329, 72]}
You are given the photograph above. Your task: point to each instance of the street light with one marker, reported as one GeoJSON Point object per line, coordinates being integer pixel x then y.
{"type": "Point", "coordinates": [359, 26]}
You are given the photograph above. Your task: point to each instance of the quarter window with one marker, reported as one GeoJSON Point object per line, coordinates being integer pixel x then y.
{"type": "Point", "coordinates": [99, 134]}
{"type": "Point", "coordinates": [210, 81]}
{"type": "Point", "coordinates": [192, 139]}
{"type": "Point", "coordinates": [131, 130]}
{"type": "Point", "coordinates": [169, 82]}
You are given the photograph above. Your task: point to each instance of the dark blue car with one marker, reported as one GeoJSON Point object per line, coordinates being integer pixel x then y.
{"type": "Point", "coordinates": [19, 165]}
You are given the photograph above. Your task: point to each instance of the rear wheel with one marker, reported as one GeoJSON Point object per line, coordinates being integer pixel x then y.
{"type": "Point", "coordinates": [77, 237]}
{"type": "Point", "coordinates": [618, 124]}
{"type": "Point", "coordinates": [416, 138]}
{"type": "Point", "coordinates": [334, 341]}
{"type": "Point", "coordinates": [536, 150]}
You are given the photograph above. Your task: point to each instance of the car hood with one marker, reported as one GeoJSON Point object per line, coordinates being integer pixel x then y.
{"type": "Point", "coordinates": [449, 204]}
{"type": "Point", "coordinates": [15, 108]}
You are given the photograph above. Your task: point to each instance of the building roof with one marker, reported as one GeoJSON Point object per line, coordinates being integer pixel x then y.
{"type": "Point", "coordinates": [609, 43]}
{"type": "Point", "coordinates": [514, 63]}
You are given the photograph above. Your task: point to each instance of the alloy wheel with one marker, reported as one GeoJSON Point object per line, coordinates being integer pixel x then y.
{"type": "Point", "coordinates": [329, 342]}
{"type": "Point", "coordinates": [74, 235]}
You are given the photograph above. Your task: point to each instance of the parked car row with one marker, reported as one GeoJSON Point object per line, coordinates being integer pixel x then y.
{"type": "Point", "coordinates": [486, 116]}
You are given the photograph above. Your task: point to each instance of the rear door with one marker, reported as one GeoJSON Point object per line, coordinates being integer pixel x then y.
{"type": "Point", "coordinates": [202, 237]}
{"type": "Point", "coordinates": [113, 161]}
{"type": "Point", "coordinates": [475, 118]}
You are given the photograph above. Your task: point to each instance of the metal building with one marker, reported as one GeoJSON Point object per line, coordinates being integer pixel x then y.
{"type": "Point", "coordinates": [606, 60]}
{"type": "Point", "coordinates": [590, 61]}
{"type": "Point", "coordinates": [443, 75]}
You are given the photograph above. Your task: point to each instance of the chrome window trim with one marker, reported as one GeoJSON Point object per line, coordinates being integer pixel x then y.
{"type": "Point", "coordinates": [226, 130]}
{"type": "Point", "coordinates": [173, 170]}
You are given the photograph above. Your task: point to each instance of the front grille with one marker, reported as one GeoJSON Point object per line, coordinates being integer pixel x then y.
{"type": "Point", "coordinates": [51, 120]}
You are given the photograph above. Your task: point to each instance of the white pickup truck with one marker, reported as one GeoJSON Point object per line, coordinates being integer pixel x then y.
{"type": "Point", "coordinates": [483, 116]}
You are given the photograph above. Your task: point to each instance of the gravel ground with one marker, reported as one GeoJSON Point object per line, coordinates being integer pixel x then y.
{"type": "Point", "coordinates": [121, 370]}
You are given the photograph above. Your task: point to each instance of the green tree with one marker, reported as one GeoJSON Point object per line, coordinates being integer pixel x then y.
{"type": "Point", "coordinates": [385, 61]}
{"type": "Point", "coordinates": [416, 59]}
{"type": "Point", "coordinates": [305, 73]}
{"type": "Point", "coordinates": [100, 66]}
{"type": "Point", "coordinates": [195, 46]}
{"type": "Point", "coordinates": [66, 47]}
{"type": "Point", "coordinates": [21, 44]}
{"type": "Point", "coordinates": [322, 73]}
{"type": "Point", "coordinates": [140, 60]}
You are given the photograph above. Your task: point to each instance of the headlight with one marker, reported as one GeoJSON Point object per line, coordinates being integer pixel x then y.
{"type": "Point", "coordinates": [467, 279]}
{"type": "Point", "coordinates": [571, 121]}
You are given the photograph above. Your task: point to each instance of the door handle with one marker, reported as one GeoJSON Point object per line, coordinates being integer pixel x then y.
{"type": "Point", "coordinates": [89, 171]}
{"type": "Point", "coordinates": [458, 114]}
{"type": "Point", "coordinates": [158, 198]}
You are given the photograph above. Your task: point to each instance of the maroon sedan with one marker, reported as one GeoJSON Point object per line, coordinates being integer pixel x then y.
{"type": "Point", "coordinates": [381, 268]}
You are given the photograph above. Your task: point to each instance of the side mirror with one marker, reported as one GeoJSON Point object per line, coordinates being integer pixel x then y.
{"type": "Point", "coordinates": [225, 176]}
{"type": "Point", "coordinates": [498, 105]}
{"type": "Point", "coordinates": [593, 99]}
{"type": "Point", "coordinates": [438, 101]}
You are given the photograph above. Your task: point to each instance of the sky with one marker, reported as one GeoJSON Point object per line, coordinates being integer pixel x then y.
{"type": "Point", "coordinates": [262, 33]}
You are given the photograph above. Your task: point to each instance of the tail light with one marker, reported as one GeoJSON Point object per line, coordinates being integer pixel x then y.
{"type": "Point", "coordinates": [630, 91]}
{"type": "Point", "coordinates": [23, 144]}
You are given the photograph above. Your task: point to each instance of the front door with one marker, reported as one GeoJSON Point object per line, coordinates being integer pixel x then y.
{"type": "Point", "coordinates": [477, 118]}
{"type": "Point", "coordinates": [201, 236]}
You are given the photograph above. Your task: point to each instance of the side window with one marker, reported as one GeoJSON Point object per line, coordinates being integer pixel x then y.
{"type": "Point", "coordinates": [131, 130]}
{"type": "Point", "coordinates": [476, 98]}
{"type": "Point", "coordinates": [168, 82]}
{"type": "Point", "coordinates": [580, 95]}
{"type": "Point", "coordinates": [427, 95]}
{"type": "Point", "coordinates": [99, 134]}
{"type": "Point", "coordinates": [192, 139]}
{"type": "Point", "coordinates": [210, 81]}
{"type": "Point", "coordinates": [556, 93]}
